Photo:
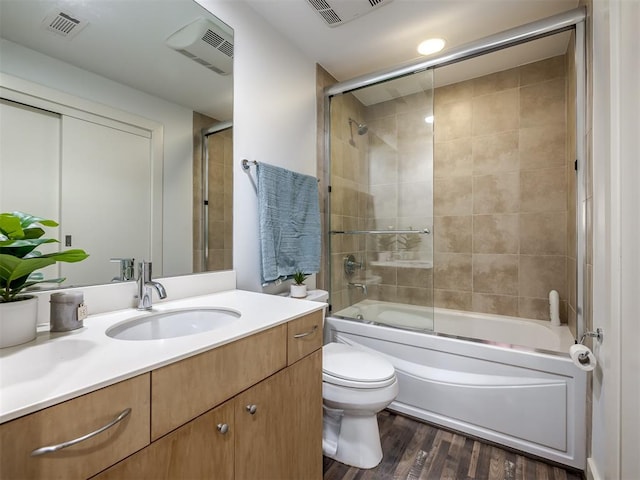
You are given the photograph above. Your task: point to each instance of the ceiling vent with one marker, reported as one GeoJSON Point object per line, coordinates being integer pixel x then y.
{"type": "Point", "coordinates": [206, 42]}
{"type": "Point", "coordinates": [64, 24]}
{"type": "Point", "coordinates": [337, 12]}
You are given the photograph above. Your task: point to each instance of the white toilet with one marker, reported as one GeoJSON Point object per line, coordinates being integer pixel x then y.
{"type": "Point", "coordinates": [356, 385]}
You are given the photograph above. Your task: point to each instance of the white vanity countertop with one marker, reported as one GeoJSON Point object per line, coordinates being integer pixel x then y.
{"type": "Point", "coordinates": [59, 366]}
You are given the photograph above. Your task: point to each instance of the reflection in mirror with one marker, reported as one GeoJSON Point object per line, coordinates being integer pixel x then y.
{"type": "Point", "coordinates": [112, 91]}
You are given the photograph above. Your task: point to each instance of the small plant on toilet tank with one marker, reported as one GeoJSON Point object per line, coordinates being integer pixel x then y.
{"type": "Point", "coordinates": [298, 288]}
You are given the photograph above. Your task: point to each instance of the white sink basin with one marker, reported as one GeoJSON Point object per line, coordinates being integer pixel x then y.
{"type": "Point", "coordinates": [171, 324]}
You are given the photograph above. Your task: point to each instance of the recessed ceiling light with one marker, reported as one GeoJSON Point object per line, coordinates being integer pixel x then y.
{"type": "Point", "coordinates": [430, 46]}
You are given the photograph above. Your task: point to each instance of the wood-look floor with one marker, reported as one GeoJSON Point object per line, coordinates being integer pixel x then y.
{"type": "Point", "coordinates": [418, 451]}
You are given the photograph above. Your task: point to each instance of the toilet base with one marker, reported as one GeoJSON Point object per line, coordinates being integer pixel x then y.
{"type": "Point", "coordinates": [358, 442]}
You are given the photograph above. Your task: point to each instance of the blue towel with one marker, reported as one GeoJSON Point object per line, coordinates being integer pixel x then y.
{"type": "Point", "coordinates": [289, 218]}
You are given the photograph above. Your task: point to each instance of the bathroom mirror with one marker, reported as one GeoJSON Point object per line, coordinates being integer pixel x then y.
{"type": "Point", "coordinates": [159, 72]}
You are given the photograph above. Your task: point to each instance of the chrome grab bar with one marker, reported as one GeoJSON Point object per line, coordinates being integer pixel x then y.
{"type": "Point", "coordinates": [60, 446]}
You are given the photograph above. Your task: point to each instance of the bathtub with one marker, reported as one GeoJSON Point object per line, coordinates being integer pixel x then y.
{"type": "Point", "coordinates": [506, 380]}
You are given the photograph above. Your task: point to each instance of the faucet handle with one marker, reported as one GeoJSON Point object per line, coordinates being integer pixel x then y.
{"type": "Point", "coordinates": [144, 271]}
{"type": "Point", "coordinates": [126, 267]}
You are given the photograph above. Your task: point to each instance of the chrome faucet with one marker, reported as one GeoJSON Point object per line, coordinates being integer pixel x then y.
{"type": "Point", "coordinates": [363, 286]}
{"type": "Point", "coordinates": [145, 296]}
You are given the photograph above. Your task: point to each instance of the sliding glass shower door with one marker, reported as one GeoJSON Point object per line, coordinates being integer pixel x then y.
{"type": "Point", "coordinates": [381, 202]}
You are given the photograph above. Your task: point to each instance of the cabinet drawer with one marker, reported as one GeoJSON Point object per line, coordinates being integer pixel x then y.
{"type": "Point", "coordinates": [183, 390]}
{"type": "Point", "coordinates": [71, 420]}
{"type": "Point", "coordinates": [304, 336]}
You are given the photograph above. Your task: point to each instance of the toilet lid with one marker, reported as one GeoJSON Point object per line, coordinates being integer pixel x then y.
{"type": "Point", "coordinates": [348, 366]}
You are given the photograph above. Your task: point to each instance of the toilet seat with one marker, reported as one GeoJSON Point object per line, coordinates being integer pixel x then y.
{"type": "Point", "coordinates": [347, 366]}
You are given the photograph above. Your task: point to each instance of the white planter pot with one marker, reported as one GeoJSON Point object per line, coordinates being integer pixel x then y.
{"type": "Point", "coordinates": [298, 291]}
{"type": "Point", "coordinates": [18, 321]}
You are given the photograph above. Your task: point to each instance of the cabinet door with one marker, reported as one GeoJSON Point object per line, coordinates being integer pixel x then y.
{"type": "Point", "coordinates": [201, 449]}
{"type": "Point", "coordinates": [304, 415]}
{"type": "Point", "coordinates": [261, 430]}
{"type": "Point", "coordinates": [282, 438]}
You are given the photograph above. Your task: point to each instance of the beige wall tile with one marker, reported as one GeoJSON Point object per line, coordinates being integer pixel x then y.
{"type": "Point", "coordinates": [543, 70]}
{"type": "Point", "coordinates": [452, 234]}
{"type": "Point", "coordinates": [496, 193]}
{"type": "Point", "coordinates": [453, 158]}
{"type": "Point", "coordinates": [495, 304]}
{"type": "Point", "coordinates": [453, 93]}
{"type": "Point", "coordinates": [415, 277]}
{"type": "Point", "coordinates": [543, 190]}
{"type": "Point", "coordinates": [452, 121]}
{"type": "Point", "coordinates": [385, 200]}
{"type": "Point", "coordinates": [415, 199]}
{"type": "Point", "coordinates": [452, 271]}
{"type": "Point", "coordinates": [415, 296]}
{"type": "Point", "coordinates": [542, 146]}
{"type": "Point", "coordinates": [496, 153]}
{"type": "Point", "coordinates": [415, 163]}
{"type": "Point", "coordinates": [538, 308]}
{"type": "Point", "coordinates": [495, 233]}
{"type": "Point", "coordinates": [452, 196]}
{"type": "Point", "coordinates": [542, 104]}
{"type": "Point", "coordinates": [452, 299]}
{"type": "Point", "coordinates": [543, 233]}
{"type": "Point", "coordinates": [495, 274]}
{"type": "Point", "coordinates": [496, 82]}
{"type": "Point", "coordinates": [384, 164]}
{"type": "Point", "coordinates": [496, 113]}
{"type": "Point", "coordinates": [539, 274]}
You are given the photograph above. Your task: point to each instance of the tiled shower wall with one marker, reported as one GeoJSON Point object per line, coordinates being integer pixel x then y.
{"type": "Point", "coordinates": [220, 197]}
{"type": "Point", "coordinates": [503, 193]}
{"type": "Point", "coordinates": [500, 192]}
{"type": "Point", "coordinates": [350, 198]}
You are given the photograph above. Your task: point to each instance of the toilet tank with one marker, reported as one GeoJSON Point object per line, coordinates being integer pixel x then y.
{"type": "Point", "coordinates": [317, 296]}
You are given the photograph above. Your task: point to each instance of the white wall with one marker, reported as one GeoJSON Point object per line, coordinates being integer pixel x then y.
{"type": "Point", "coordinates": [616, 141]}
{"type": "Point", "coordinates": [178, 157]}
{"type": "Point", "coordinates": [274, 120]}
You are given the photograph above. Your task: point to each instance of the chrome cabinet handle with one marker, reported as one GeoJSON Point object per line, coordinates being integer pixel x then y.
{"type": "Point", "coordinates": [60, 446]}
{"type": "Point", "coordinates": [306, 334]}
{"type": "Point", "coordinates": [223, 428]}
{"type": "Point", "coordinates": [252, 409]}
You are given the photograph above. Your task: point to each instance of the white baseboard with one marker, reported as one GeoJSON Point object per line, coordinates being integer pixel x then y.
{"type": "Point", "coordinates": [592, 470]}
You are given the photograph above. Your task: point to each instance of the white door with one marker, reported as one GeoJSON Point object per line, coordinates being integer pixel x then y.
{"type": "Point", "coordinates": [106, 174]}
{"type": "Point", "coordinates": [29, 166]}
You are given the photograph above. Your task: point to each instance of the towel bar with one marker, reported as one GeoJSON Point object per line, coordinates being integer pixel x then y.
{"type": "Point", "coordinates": [246, 164]}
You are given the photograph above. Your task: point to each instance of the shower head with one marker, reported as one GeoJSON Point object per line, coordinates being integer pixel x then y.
{"type": "Point", "coordinates": [362, 127]}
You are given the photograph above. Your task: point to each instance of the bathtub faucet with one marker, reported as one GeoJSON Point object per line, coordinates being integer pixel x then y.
{"type": "Point", "coordinates": [359, 285]}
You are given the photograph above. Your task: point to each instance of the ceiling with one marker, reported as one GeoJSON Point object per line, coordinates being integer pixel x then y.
{"type": "Point", "coordinates": [389, 34]}
{"type": "Point", "coordinates": [124, 40]}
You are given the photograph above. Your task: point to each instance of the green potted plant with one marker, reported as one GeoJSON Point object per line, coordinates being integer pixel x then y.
{"type": "Point", "coordinates": [298, 288]}
{"type": "Point", "coordinates": [20, 235]}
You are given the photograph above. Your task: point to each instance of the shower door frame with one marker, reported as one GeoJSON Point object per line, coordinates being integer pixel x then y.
{"type": "Point", "coordinates": [570, 20]}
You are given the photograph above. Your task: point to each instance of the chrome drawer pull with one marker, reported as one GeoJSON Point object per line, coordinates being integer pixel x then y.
{"type": "Point", "coordinates": [60, 446]}
{"type": "Point", "coordinates": [306, 334]}
{"type": "Point", "coordinates": [252, 409]}
{"type": "Point", "coordinates": [223, 428]}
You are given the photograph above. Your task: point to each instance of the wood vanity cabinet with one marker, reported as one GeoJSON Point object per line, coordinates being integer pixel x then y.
{"type": "Point", "coordinates": [269, 425]}
{"type": "Point", "coordinates": [70, 420]}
